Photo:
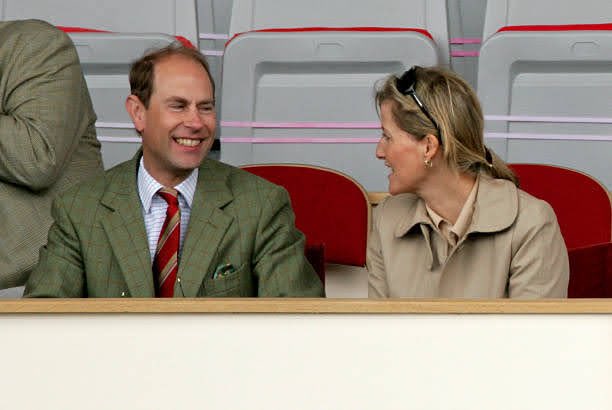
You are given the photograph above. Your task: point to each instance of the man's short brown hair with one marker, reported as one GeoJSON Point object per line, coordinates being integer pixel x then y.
{"type": "Point", "coordinates": [142, 71]}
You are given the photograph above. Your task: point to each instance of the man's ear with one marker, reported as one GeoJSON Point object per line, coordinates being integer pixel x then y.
{"type": "Point", "coordinates": [137, 112]}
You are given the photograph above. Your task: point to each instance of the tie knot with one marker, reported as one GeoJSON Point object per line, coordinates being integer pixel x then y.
{"type": "Point", "coordinates": [169, 195]}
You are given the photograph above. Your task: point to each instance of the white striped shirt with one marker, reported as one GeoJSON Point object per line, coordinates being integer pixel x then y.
{"type": "Point", "coordinates": [154, 206]}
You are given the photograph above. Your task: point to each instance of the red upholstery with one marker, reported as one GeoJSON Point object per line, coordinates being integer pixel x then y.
{"type": "Point", "coordinates": [591, 271]}
{"type": "Point", "coordinates": [584, 213]}
{"type": "Point", "coordinates": [330, 208]}
{"type": "Point", "coordinates": [315, 29]}
{"type": "Point", "coordinates": [558, 27]}
{"type": "Point", "coordinates": [66, 29]}
{"type": "Point", "coordinates": [582, 204]}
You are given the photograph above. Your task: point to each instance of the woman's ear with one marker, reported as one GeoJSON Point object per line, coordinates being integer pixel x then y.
{"type": "Point", "coordinates": [137, 112]}
{"type": "Point", "coordinates": [431, 145]}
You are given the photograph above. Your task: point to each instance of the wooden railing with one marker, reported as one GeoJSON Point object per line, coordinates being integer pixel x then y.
{"type": "Point", "coordinates": [315, 306]}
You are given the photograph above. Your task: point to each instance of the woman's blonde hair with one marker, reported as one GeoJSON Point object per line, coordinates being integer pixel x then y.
{"type": "Point", "coordinates": [459, 123]}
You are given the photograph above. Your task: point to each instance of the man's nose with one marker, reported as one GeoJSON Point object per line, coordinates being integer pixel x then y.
{"type": "Point", "coordinates": [193, 119]}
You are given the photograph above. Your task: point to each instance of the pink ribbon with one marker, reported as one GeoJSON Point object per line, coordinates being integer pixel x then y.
{"type": "Point", "coordinates": [491, 135]}
{"type": "Point", "coordinates": [217, 53]}
{"type": "Point", "coordinates": [465, 53]}
{"type": "Point", "coordinates": [213, 36]}
{"type": "Point", "coordinates": [465, 40]}
{"type": "Point", "coordinates": [529, 118]}
{"type": "Point", "coordinates": [376, 125]}
{"type": "Point", "coordinates": [534, 136]}
{"type": "Point", "coordinates": [302, 124]}
{"type": "Point", "coordinates": [297, 140]}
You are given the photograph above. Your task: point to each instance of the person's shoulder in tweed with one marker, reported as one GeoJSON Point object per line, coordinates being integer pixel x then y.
{"type": "Point", "coordinates": [237, 231]}
{"type": "Point", "coordinates": [47, 137]}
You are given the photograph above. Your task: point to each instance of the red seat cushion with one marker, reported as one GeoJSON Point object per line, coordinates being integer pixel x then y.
{"type": "Point", "coordinates": [581, 204]}
{"type": "Point", "coordinates": [330, 208]}
{"type": "Point", "coordinates": [591, 271]}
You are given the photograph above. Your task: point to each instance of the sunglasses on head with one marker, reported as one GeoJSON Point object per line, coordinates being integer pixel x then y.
{"type": "Point", "coordinates": [405, 85]}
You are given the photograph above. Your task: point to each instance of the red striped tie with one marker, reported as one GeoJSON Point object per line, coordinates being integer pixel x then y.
{"type": "Point", "coordinates": [165, 264]}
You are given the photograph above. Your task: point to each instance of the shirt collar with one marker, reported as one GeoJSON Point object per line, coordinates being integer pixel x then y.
{"type": "Point", "coordinates": [148, 187]}
{"type": "Point", "coordinates": [465, 215]}
{"type": "Point", "coordinates": [435, 218]}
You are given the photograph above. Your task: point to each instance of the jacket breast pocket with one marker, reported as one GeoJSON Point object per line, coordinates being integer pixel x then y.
{"type": "Point", "coordinates": [234, 284]}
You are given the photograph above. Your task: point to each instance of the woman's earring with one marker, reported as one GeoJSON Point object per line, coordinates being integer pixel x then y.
{"type": "Point", "coordinates": [428, 163]}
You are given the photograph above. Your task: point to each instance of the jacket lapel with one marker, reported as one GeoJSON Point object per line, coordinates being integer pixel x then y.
{"type": "Point", "coordinates": [124, 227]}
{"type": "Point", "coordinates": [416, 216]}
{"type": "Point", "coordinates": [208, 225]}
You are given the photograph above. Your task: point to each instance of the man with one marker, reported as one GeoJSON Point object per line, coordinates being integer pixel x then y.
{"type": "Point", "coordinates": [171, 223]}
{"type": "Point", "coordinates": [47, 137]}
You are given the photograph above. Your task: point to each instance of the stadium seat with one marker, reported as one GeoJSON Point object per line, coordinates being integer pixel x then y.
{"type": "Point", "coordinates": [108, 39]}
{"type": "Point", "coordinates": [545, 83]}
{"type": "Point", "coordinates": [311, 67]}
{"type": "Point", "coordinates": [173, 17]}
{"type": "Point", "coordinates": [106, 59]}
{"type": "Point", "coordinates": [331, 209]}
{"type": "Point", "coordinates": [584, 213]}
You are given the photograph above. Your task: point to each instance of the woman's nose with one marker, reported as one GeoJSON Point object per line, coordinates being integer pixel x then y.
{"type": "Point", "coordinates": [380, 152]}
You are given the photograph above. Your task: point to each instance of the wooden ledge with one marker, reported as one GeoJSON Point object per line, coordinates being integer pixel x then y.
{"type": "Point", "coordinates": [306, 306]}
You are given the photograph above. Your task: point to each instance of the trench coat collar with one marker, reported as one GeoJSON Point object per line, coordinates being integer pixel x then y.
{"type": "Point", "coordinates": [495, 209]}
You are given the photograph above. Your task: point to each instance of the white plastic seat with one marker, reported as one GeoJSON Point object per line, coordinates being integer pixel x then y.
{"type": "Point", "coordinates": [320, 75]}
{"type": "Point", "coordinates": [501, 13]}
{"type": "Point", "coordinates": [465, 22]}
{"type": "Point", "coordinates": [134, 27]}
{"type": "Point", "coordinates": [174, 17]}
{"type": "Point", "coordinates": [105, 60]}
{"type": "Point", "coordinates": [213, 23]}
{"type": "Point", "coordinates": [248, 15]}
{"type": "Point", "coordinates": [12, 293]}
{"type": "Point", "coordinates": [549, 72]}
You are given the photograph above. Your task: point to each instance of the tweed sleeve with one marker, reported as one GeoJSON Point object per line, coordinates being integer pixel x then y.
{"type": "Point", "coordinates": [42, 99]}
{"type": "Point", "coordinates": [279, 260]}
{"type": "Point", "coordinates": [60, 271]}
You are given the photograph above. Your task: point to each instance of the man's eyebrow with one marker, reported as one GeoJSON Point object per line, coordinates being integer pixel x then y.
{"type": "Point", "coordinates": [176, 99]}
{"type": "Point", "coordinates": [182, 100]}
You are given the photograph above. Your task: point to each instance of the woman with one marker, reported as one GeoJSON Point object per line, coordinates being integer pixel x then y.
{"type": "Point", "coordinates": [456, 224]}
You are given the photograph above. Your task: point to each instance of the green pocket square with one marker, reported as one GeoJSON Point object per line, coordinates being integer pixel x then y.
{"type": "Point", "coordinates": [223, 270]}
